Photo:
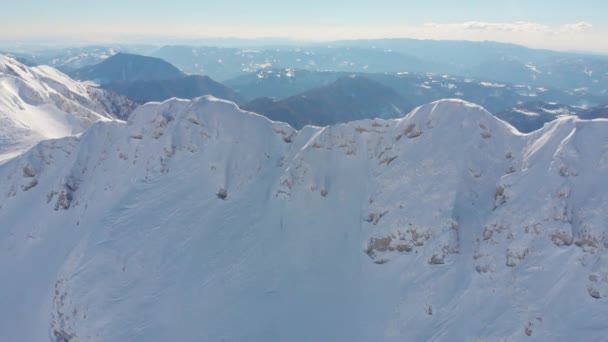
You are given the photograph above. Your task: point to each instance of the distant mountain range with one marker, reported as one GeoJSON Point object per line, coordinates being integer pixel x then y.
{"type": "Point", "coordinates": [332, 94]}
{"type": "Point", "coordinates": [597, 112]}
{"type": "Point", "coordinates": [532, 116]}
{"type": "Point", "coordinates": [281, 83]}
{"type": "Point", "coordinates": [501, 62]}
{"type": "Point", "coordinates": [349, 98]}
{"type": "Point", "coordinates": [419, 88]}
{"type": "Point", "coordinates": [307, 97]}
{"type": "Point", "coordinates": [226, 63]}
{"type": "Point", "coordinates": [496, 62]}
{"type": "Point", "coordinates": [490, 61]}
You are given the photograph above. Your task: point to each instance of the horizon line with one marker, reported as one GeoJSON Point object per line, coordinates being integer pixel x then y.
{"type": "Point", "coordinates": [63, 41]}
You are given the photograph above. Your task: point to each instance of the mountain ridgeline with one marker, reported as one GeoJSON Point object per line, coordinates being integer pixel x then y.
{"type": "Point", "coordinates": [196, 220]}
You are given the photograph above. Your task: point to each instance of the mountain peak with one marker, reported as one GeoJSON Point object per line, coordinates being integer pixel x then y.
{"type": "Point", "coordinates": [128, 67]}
{"type": "Point", "coordinates": [449, 107]}
{"type": "Point", "coordinates": [458, 113]}
{"type": "Point", "coordinates": [207, 113]}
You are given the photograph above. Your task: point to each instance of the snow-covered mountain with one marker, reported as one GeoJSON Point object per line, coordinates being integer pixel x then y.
{"type": "Point", "coordinates": [196, 221]}
{"type": "Point", "coordinates": [40, 102]}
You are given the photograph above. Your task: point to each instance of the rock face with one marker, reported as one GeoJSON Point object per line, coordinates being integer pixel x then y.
{"type": "Point", "coordinates": [195, 221]}
{"type": "Point", "coordinates": [42, 103]}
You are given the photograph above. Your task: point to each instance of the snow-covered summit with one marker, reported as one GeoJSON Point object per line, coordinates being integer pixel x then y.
{"type": "Point", "coordinates": [40, 102]}
{"type": "Point", "coordinates": [457, 112]}
{"type": "Point", "coordinates": [196, 220]}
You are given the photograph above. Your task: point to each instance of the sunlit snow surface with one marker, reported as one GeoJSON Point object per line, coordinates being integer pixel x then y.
{"type": "Point", "coordinates": [196, 221]}
{"type": "Point", "coordinates": [39, 103]}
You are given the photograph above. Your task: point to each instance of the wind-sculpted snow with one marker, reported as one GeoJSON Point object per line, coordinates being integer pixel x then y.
{"type": "Point", "coordinates": [40, 103]}
{"type": "Point", "coordinates": [196, 221]}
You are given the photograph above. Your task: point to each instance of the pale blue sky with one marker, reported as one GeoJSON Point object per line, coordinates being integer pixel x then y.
{"type": "Point", "coordinates": [311, 19]}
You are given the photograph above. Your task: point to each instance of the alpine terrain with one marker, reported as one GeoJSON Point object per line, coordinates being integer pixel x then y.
{"type": "Point", "coordinates": [40, 102]}
{"type": "Point", "coordinates": [197, 221]}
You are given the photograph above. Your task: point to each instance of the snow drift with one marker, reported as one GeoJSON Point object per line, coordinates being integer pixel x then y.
{"type": "Point", "coordinates": [196, 221]}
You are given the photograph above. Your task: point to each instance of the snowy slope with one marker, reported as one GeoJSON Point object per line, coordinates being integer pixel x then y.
{"type": "Point", "coordinates": [196, 221]}
{"type": "Point", "coordinates": [40, 103]}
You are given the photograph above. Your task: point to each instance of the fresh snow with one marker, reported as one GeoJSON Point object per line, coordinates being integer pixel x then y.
{"type": "Point", "coordinates": [42, 103]}
{"type": "Point", "coordinates": [196, 221]}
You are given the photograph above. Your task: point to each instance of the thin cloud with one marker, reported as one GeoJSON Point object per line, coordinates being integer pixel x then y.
{"type": "Point", "coordinates": [578, 27]}
{"type": "Point", "coordinates": [518, 26]}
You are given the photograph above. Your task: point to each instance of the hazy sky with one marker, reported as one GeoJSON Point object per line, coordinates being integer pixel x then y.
{"type": "Point", "coordinates": [558, 24]}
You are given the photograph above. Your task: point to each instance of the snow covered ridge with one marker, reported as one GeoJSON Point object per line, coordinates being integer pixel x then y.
{"type": "Point", "coordinates": [196, 221]}
{"type": "Point", "coordinates": [40, 103]}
